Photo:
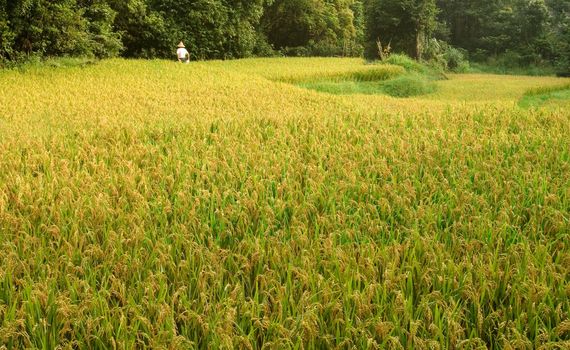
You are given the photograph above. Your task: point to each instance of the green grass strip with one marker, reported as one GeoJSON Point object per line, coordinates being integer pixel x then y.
{"type": "Point", "coordinates": [539, 96]}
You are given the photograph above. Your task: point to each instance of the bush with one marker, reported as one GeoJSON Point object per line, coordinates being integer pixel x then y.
{"type": "Point", "coordinates": [563, 67]}
{"type": "Point", "coordinates": [325, 48]}
{"type": "Point", "coordinates": [262, 48]}
{"type": "Point", "coordinates": [446, 57]}
{"type": "Point", "coordinates": [405, 61]}
{"type": "Point", "coordinates": [103, 41]}
{"type": "Point", "coordinates": [408, 85]}
{"type": "Point", "coordinates": [429, 71]}
{"type": "Point", "coordinates": [387, 72]}
{"type": "Point", "coordinates": [455, 60]}
{"type": "Point", "coordinates": [20, 60]}
{"type": "Point", "coordinates": [297, 51]}
{"type": "Point", "coordinates": [511, 62]}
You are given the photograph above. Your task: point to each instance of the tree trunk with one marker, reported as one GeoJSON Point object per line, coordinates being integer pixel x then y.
{"type": "Point", "coordinates": [419, 47]}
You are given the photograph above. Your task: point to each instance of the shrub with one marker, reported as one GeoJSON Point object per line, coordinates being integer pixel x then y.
{"type": "Point", "coordinates": [408, 85]}
{"type": "Point", "coordinates": [297, 51]}
{"type": "Point", "coordinates": [563, 67]}
{"type": "Point", "coordinates": [262, 47]}
{"type": "Point", "coordinates": [455, 60]}
{"type": "Point", "coordinates": [405, 61]}
{"type": "Point", "coordinates": [446, 57]}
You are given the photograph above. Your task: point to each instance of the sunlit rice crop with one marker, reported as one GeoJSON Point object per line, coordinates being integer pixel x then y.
{"type": "Point", "coordinates": [216, 205]}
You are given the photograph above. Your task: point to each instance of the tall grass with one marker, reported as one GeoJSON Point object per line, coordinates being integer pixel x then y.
{"type": "Point", "coordinates": [152, 204]}
{"type": "Point", "coordinates": [408, 86]}
{"type": "Point", "coordinates": [540, 96]}
{"type": "Point", "coordinates": [398, 76]}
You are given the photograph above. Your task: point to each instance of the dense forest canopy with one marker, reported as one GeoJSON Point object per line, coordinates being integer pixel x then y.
{"type": "Point", "coordinates": [523, 31]}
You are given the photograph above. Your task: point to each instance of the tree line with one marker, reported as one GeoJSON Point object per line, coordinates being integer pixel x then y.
{"type": "Point", "coordinates": [525, 31]}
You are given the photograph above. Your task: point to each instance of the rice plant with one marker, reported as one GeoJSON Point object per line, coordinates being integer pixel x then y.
{"type": "Point", "coordinates": [147, 204]}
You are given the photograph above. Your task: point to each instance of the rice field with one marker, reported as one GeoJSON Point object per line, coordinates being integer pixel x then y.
{"type": "Point", "coordinates": [149, 204]}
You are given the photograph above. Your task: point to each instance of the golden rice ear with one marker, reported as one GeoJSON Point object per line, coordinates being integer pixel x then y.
{"type": "Point", "coordinates": [226, 209]}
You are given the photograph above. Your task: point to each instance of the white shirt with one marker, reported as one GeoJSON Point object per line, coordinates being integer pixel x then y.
{"type": "Point", "coordinates": [181, 52]}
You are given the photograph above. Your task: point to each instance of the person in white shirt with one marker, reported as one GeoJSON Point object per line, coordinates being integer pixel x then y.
{"type": "Point", "coordinates": [182, 53]}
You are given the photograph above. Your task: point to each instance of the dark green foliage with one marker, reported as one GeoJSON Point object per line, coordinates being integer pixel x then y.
{"type": "Point", "coordinates": [135, 28]}
{"type": "Point", "coordinates": [512, 33]}
{"type": "Point", "coordinates": [314, 27]}
{"type": "Point", "coordinates": [560, 33]}
{"type": "Point", "coordinates": [152, 28]}
{"type": "Point", "coordinates": [41, 27]}
{"type": "Point", "coordinates": [518, 33]}
{"type": "Point", "coordinates": [526, 32]}
{"type": "Point", "coordinates": [209, 28]}
{"type": "Point", "coordinates": [445, 56]}
{"type": "Point", "coordinates": [37, 28]}
{"type": "Point", "coordinates": [405, 24]}
{"type": "Point", "coordinates": [143, 30]}
{"type": "Point", "coordinates": [7, 35]}
{"type": "Point", "coordinates": [103, 40]}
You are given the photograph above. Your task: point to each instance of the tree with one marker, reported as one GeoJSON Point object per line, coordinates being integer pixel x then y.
{"type": "Point", "coordinates": [209, 28]}
{"type": "Point", "coordinates": [244, 18]}
{"type": "Point", "coordinates": [325, 27]}
{"type": "Point", "coordinates": [143, 31]}
{"type": "Point", "coordinates": [491, 28]}
{"type": "Point", "coordinates": [103, 40]}
{"type": "Point", "coordinates": [292, 23]}
{"type": "Point", "coordinates": [407, 24]}
{"type": "Point", "coordinates": [7, 34]}
{"type": "Point", "coordinates": [41, 27]}
{"type": "Point", "coordinates": [560, 32]}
